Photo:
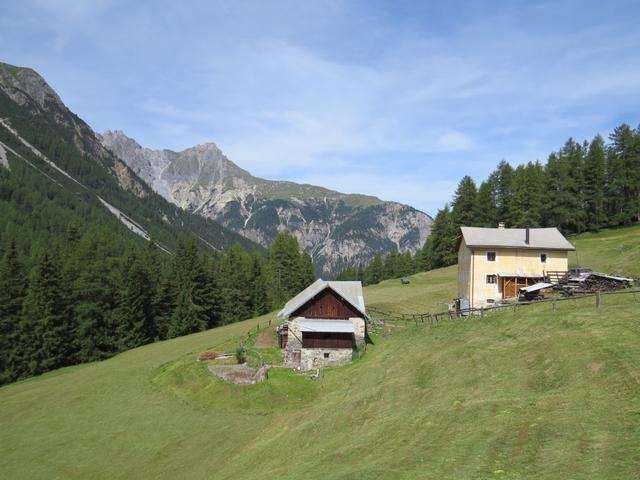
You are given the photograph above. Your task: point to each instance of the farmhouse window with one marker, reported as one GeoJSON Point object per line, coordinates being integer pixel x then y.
{"type": "Point", "coordinates": [492, 279]}
{"type": "Point", "coordinates": [326, 355]}
{"type": "Point", "coordinates": [543, 258]}
{"type": "Point", "coordinates": [491, 256]}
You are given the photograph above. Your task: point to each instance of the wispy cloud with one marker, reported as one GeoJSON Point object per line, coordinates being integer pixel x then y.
{"type": "Point", "coordinates": [399, 102]}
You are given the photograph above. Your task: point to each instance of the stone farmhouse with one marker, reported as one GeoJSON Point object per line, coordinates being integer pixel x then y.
{"type": "Point", "coordinates": [324, 323]}
{"type": "Point", "coordinates": [494, 263]}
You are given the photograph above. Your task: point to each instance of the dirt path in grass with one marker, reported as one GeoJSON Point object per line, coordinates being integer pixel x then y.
{"type": "Point", "coordinates": [266, 339]}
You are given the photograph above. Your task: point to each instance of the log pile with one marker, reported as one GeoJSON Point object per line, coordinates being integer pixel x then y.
{"type": "Point", "coordinates": [596, 282]}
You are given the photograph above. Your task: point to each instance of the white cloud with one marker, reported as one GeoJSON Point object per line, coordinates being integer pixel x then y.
{"type": "Point", "coordinates": [454, 141]}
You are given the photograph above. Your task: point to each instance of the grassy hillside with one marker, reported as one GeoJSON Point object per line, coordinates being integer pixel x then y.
{"type": "Point", "coordinates": [613, 251]}
{"type": "Point", "coordinates": [532, 394]}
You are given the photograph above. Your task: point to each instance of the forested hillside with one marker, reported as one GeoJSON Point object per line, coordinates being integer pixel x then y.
{"type": "Point", "coordinates": [93, 262]}
{"type": "Point", "coordinates": [583, 187]}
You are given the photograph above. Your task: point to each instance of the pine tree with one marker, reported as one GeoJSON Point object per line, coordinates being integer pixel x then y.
{"type": "Point", "coordinates": [624, 176]}
{"type": "Point", "coordinates": [440, 247]}
{"type": "Point", "coordinates": [486, 211]}
{"type": "Point", "coordinates": [565, 193]}
{"type": "Point", "coordinates": [463, 211]}
{"type": "Point", "coordinates": [285, 269]}
{"type": "Point", "coordinates": [137, 315]}
{"type": "Point", "coordinates": [525, 206]}
{"type": "Point", "coordinates": [595, 184]}
{"type": "Point", "coordinates": [194, 305]}
{"type": "Point", "coordinates": [46, 330]}
{"type": "Point", "coordinates": [374, 272]}
{"type": "Point", "coordinates": [12, 293]}
{"type": "Point", "coordinates": [504, 184]}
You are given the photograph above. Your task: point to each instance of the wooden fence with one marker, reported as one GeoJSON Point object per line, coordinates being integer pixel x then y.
{"type": "Point", "coordinates": [434, 318]}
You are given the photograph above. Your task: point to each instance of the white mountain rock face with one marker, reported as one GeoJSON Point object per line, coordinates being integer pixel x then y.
{"type": "Point", "coordinates": [337, 229]}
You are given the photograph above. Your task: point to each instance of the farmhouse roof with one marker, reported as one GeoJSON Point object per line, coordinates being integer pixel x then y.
{"type": "Point", "coordinates": [349, 291]}
{"type": "Point", "coordinates": [539, 238]}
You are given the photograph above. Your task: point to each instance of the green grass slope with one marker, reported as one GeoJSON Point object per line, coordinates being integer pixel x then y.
{"type": "Point", "coordinates": [530, 394]}
{"type": "Point", "coordinates": [609, 251]}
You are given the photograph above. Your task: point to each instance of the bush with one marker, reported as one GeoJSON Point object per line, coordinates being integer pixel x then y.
{"type": "Point", "coordinates": [241, 354]}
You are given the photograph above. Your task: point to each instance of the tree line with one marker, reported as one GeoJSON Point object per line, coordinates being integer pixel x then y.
{"type": "Point", "coordinates": [92, 294]}
{"type": "Point", "coordinates": [582, 187]}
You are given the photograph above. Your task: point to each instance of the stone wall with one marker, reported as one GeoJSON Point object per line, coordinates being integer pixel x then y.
{"type": "Point", "coordinates": [312, 358]}
{"type": "Point", "coordinates": [337, 356]}
{"type": "Point", "coordinates": [360, 330]}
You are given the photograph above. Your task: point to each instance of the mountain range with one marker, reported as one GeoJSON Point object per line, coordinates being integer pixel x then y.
{"type": "Point", "coordinates": [337, 229]}
{"type": "Point", "coordinates": [41, 140]}
{"type": "Point", "coordinates": [162, 194]}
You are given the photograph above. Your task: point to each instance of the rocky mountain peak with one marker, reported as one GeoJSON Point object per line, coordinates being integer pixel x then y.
{"type": "Point", "coordinates": [337, 229]}
{"type": "Point", "coordinates": [25, 85]}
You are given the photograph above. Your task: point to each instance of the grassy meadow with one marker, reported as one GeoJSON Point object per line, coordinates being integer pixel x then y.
{"type": "Point", "coordinates": [515, 395]}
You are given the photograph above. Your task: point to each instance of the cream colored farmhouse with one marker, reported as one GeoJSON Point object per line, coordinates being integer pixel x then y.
{"type": "Point", "coordinates": [494, 263]}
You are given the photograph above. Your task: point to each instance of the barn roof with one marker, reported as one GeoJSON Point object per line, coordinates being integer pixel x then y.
{"type": "Point", "coordinates": [349, 291]}
{"type": "Point", "coordinates": [539, 238]}
{"type": "Point", "coordinates": [332, 326]}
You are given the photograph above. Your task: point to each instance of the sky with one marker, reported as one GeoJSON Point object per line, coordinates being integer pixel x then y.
{"type": "Point", "coordinates": [398, 99]}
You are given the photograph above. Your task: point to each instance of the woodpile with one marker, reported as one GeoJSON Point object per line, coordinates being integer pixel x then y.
{"type": "Point", "coordinates": [596, 282]}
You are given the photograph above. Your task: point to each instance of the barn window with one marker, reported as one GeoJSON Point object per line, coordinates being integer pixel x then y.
{"type": "Point", "coordinates": [492, 279]}
{"type": "Point", "coordinates": [491, 256]}
{"type": "Point", "coordinates": [543, 258]}
{"type": "Point", "coordinates": [326, 355]}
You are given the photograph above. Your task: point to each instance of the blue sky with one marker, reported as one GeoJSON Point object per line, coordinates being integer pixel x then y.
{"type": "Point", "coordinates": [395, 99]}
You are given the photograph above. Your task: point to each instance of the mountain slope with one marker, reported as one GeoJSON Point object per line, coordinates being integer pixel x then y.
{"type": "Point", "coordinates": [530, 394]}
{"type": "Point", "coordinates": [338, 229]}
{"type": "Point", "coordinates": [37, 129]}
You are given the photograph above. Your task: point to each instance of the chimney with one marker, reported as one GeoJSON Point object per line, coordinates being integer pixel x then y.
{"type": "Point", "coordinates": [501, 225]}
{"type": "Point", "coordinates": [526, 236]}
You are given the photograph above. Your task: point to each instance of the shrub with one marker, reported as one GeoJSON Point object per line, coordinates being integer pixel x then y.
{"type": "Point", "coordinates": [241, 354]}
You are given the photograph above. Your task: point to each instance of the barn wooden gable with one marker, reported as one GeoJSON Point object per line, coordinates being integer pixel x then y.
{"type": "Point", "coordinates": [327, 304]}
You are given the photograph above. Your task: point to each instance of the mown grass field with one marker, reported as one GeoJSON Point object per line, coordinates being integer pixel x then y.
{"type": "Point", "coordinates": [531, 394]}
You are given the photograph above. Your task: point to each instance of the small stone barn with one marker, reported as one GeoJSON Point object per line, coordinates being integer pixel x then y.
{"type": "Point", "coordinates": [494, 263]}
{"type": "Point", "coordinates": [324, 323]}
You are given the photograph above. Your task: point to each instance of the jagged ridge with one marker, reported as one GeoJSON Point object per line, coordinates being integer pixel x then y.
{"type": "Point", "coordinates": [338, 229]}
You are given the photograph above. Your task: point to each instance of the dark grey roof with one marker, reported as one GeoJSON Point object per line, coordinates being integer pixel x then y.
{"type": "Point", "coordinates": [539, 238]}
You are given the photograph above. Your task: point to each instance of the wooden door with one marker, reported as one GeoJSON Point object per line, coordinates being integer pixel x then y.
{"type": "Point", "coordinates": [509, 287]}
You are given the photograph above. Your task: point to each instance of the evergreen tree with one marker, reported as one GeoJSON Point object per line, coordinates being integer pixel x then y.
{"type": "Point", "coordinates": [504, 184]}
{"type": "Point", "coordinates": [440, 247]}
{"type": "Point", "coordinates": [288, 274]}
{"type": "Point", "coordinates": [624, 176]}
{"type": "Point", "coordinates": [12, 293]}
{"type": "Point", "coordinates": [137, 315]}
{"type": "Point", "coordinates": [487, 213]}
{"type": "Point", "coordinates": [564, 193]}
{"type": "Point", "coordinates": [47, 331]}
{"type": "Point", "coordinates": [527, 197]}
{"type": "Point", "coordinates": [595, 184]}
{"type": "Point", "coordinates": [374, 272]}
{"type": "Point", "coordinates": [463, 211]}
{"type": "Point", "coordinates": [194, 305]}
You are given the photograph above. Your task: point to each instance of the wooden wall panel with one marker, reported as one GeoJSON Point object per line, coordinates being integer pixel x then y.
{"type": "Point", "coordinates": [327, 304]}
{"type": "Point", "coordinates": [327, 340]}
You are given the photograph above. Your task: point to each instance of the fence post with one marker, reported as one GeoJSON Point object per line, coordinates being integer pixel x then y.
{"type": "Point", "coordinates": [555, 300]}
{"type": "Point", "coordinates": [481, 312]}
{"type": "Point", "coordinates": [598, 299]}
{"type": "Point", "coordinates": [258, 327]}
{"type": "Point", "coordinates": [269, 322]}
